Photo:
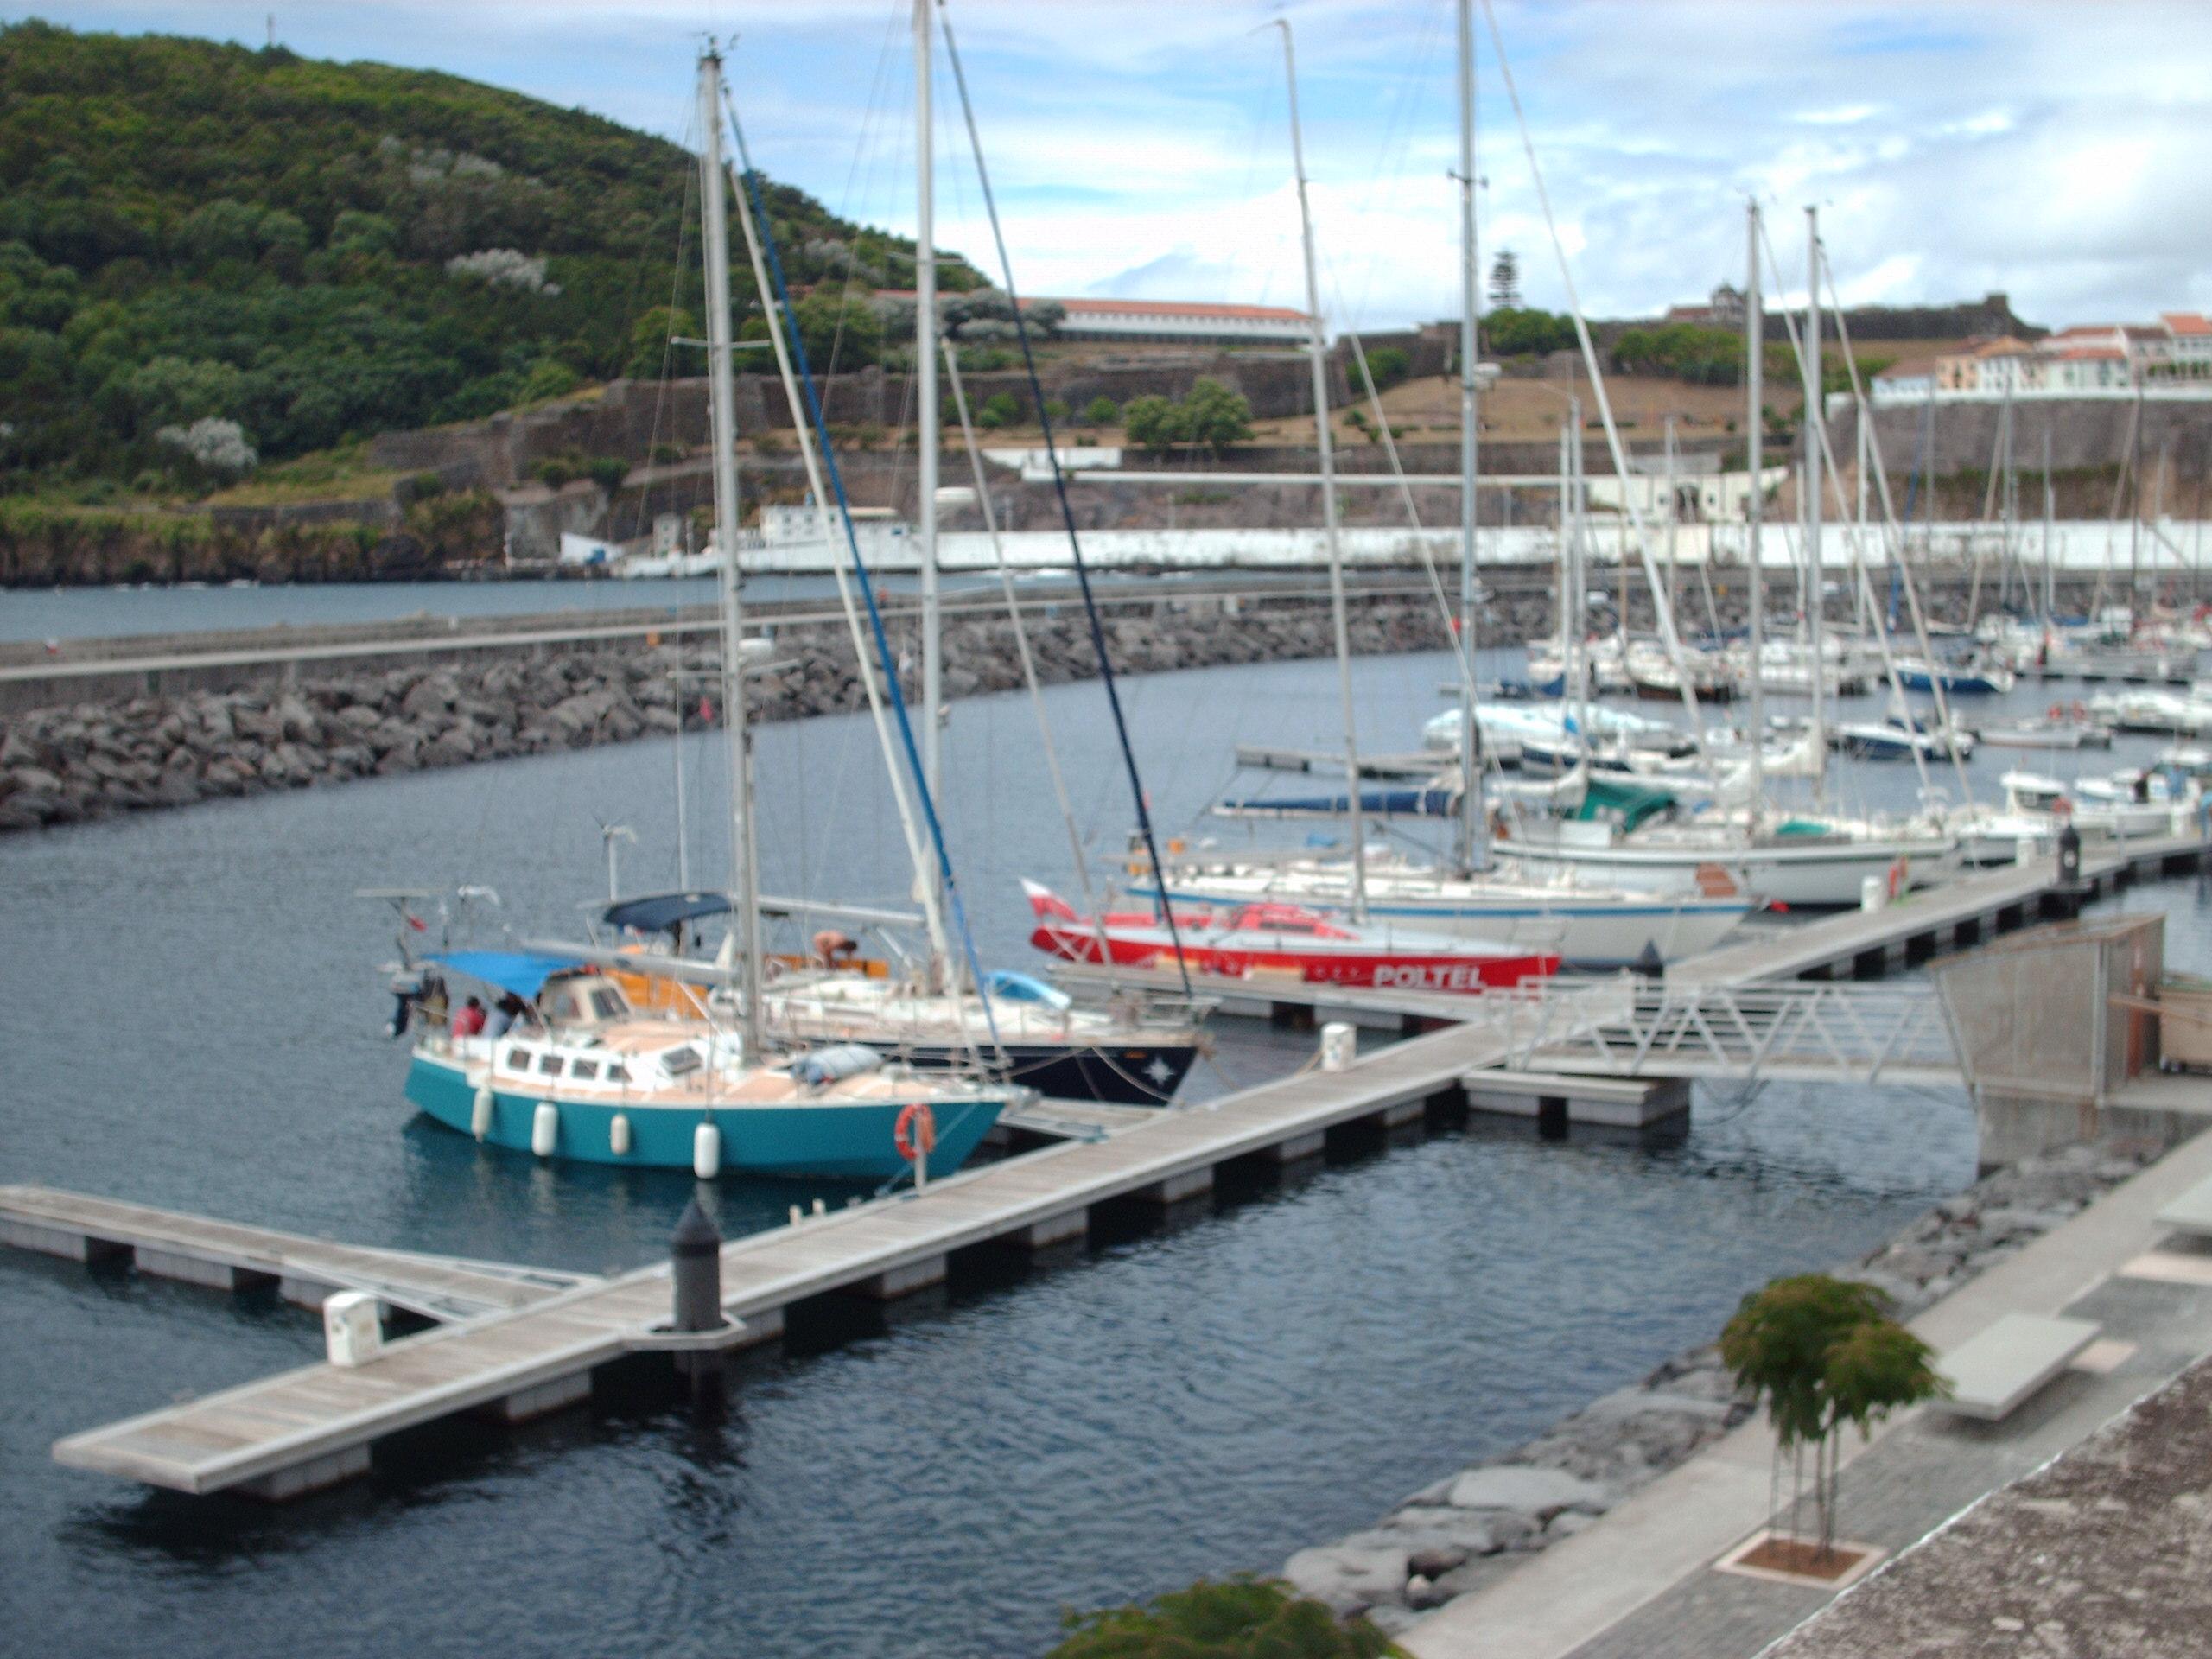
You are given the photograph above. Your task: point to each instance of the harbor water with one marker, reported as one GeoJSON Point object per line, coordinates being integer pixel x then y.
{"type": "Point", "coordinates": [190, 1015]}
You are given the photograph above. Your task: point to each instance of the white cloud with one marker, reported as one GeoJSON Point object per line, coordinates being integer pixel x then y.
{"type": "Point", "coordinates": [1141, 145]}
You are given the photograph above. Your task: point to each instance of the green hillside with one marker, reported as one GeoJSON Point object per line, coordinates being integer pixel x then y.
{"type": "Point", "coordinates": [321, 250]}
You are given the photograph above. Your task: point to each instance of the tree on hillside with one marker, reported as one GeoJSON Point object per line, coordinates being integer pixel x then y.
{"type": "Point", "coordinates": [1511, 333]}
{"type": "Point", "coordinates": [1711, 357]}
{"type": "Point", "coordinates": [1152, 422]}
{"type": "Point", "coordinates": [1214, 416]}
{"type": "Point", "coordinates": [1101, 411]}
{"type": "Point", "coordinates": [653, 352]}
{"type": "Point", "coordinates": [1822, 1352]}
{"type": "Point", "coordinates": [839, 331]}
{"type": "Point", "coordinates": [1505, 280]}
{"type": "Point", "coordinates": [1388, 365]}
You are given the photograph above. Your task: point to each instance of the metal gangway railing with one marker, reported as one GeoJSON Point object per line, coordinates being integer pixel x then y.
{"type": "Point", "coordinates": [1628, 1026]}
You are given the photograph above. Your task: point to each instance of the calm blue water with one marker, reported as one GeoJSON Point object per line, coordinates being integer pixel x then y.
{"type": "Point", "coordinates": [189, 1015]}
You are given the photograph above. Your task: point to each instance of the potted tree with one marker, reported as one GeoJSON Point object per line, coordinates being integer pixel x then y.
{"type": "Point", "coordinates": [1822, 1352]}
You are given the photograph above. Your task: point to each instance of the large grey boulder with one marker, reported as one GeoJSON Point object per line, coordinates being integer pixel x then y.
{"type": "Point", "coordinates": [1539, 1492]}
{"type": "Point", "coordinates": [1348, 1578]}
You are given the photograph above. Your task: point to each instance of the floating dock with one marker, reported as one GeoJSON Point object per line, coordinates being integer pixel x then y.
{"type": "Point", "coordinates": [227, 1256]}
{"type": "Point", "coordinates": [517, 1343]}
{"type": "Point", "coordinates": [311, 1427]}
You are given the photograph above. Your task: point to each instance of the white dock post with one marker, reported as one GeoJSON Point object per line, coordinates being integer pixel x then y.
{"type": "Point", "coordinates": [353, 1330]}
{"type": "Point", "coordinates": [1339, 1046]}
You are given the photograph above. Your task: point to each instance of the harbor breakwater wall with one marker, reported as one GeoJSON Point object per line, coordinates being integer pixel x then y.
{"type": "Point", "coordinates": [287, 727]}
{"type": "Point", "coordinates": [1459, 1535]}
{"type": "Point", "coordinates": [63, 763]}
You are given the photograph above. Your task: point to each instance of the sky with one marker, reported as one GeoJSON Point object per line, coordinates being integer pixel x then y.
{"type": "Point", "coordinates": [1143, 147]}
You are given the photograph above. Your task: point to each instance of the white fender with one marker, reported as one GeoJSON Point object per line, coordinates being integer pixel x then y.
{"type": "Point", "coordinates": [618, 1135]}
{"type": "Point", "coordinates": [544, 1129]}
{"type": "Point", "coordinates": [706, 1151]}
{"type": "Point", "coordinates": [480, 1113]}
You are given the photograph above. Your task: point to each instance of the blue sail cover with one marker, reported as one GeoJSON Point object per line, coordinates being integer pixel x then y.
{"type": "Point", "coordinates": [1383, 803]}
{"type": "Point", "coordinates": [663, 911]}
{"type": "Point", "coordinates": [523, 972]}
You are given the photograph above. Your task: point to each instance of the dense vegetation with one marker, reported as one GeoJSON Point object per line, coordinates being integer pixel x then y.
{"type": "Point", "coordinates": [194, 232]}
{"type": "Point", "coordinates": [1240, 1619]}
{"type": "Point", "coordinates": [1210, 417]}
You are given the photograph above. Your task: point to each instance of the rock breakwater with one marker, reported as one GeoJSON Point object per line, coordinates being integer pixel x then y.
{"type": "Point", "coordinates": [62, 765]}
{"type": "Point", "coordinates": [1464, 1533]}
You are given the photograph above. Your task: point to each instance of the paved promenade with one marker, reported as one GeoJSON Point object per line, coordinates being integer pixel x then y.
{"type": "Point", "coordinates": [1640, 1583]}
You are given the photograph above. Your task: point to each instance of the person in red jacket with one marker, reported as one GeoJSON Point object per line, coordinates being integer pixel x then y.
{"type": "Point", "coordinates": [468, 1019]}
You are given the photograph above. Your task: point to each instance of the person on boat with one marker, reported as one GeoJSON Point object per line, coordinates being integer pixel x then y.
{"type": "Point", "coordinates": [503, 1015]}
{"type": "Point", "coordinates": [468, 1019]}
{"type": "Point", "coordinates": [833, 949]}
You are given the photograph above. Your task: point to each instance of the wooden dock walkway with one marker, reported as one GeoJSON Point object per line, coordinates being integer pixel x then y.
{"type": "Point", "coordinates": [316, 1425]}
{"type": "Point", "coordinates": [310, 1427]}
{"type": "Point", "coordinates": [227, 1256]}
{"type": "Point", "coordinates": [1955, 916]}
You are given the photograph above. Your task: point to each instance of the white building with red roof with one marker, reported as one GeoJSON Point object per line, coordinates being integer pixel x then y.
{"type": "Point", "coordinates": [1181, 321]}
{"type": "Point", "coordinates": [1172, 322]}
{"type": "Point", "coordinates": [2189, 337]}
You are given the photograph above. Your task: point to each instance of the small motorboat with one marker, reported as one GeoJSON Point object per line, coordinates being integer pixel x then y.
{"type": "Point", "coordinates": [1894, 739]}
{"type": "Point", "coordinates": [1263, 941]}
{"type": "Point", "coordinates": [1959, 679]}
{"type": "Point", "coordinates": [2061, 727]}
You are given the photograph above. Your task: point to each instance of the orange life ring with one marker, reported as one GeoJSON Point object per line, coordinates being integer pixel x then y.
{"type": "Point", "coordinates": [915, 1134]}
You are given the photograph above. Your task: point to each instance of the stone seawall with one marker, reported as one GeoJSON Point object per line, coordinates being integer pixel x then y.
{"type": "Point", "coordinates": [1465, 1532]}
{"type": "Point", "coordinates": [65, 763]}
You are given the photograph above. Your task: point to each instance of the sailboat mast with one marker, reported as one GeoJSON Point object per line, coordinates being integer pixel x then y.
{"type": "Point", "coordinates": [926, 430]}
{"type": "Point", "coordinates": [714, 235]}
{"type": "Point", "coordinates": [1674, 519]}
{"type": "Point", "coordinates": [2050, 507]}
{"type": "Point", "coordinates": [1858, 589]}
{"type": "Point", "coordinates": [1473, 820]}
{"type": "Point", "coordinates": [1816, 563]}
{"type": "Point", "coordinates": [1754, 375]}
{"type": "Point", "coordinates": [2135, 516]}
{"type": "Point", "coordinates": [1317, 351]}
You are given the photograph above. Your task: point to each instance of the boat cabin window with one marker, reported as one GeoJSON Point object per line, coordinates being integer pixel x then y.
{"type": "Point", "coordinates": [549, 1065]}
{"type": "Point", "coordinates": [584, 1069]}
{"type": "Point", "coordinates": [617, 1073]}
{"type": "Point", "coordinates": [516, 1059]}
{"type": "Point", "coordinates": [680, 1062]}
{"type": "Point", "coordinates": [581, 1001]}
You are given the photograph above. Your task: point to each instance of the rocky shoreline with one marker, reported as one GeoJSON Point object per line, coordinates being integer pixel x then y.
{"type": "Point", "coordinates": [1460, 1535]}
{"type": "Point", "coordinates": [63, 765]}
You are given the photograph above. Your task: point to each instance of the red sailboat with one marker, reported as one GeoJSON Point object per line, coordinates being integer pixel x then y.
{"type": "Point", "coordinates": [1260, 940]}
